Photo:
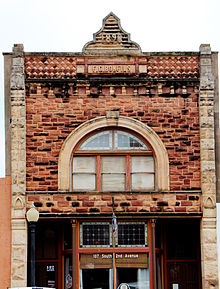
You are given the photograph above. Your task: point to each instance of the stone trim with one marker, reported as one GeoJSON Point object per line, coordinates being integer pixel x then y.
{"type": "Point", "coordinates": [152, 53]}
{"type": "Point", "coordinates": [112, 193]}
{"type": "Point", "coordinates": [18, 169]}
{"type": "Point", "coordinates": [209, 260]}
{"type": "Point", "coordinates": [103, 122]}
{"type": "Point", "coordinates": [61, 216]}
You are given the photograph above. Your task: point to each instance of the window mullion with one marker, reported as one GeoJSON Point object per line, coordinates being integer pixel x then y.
{"type": "Point", "coordinates": [128, 172]}
{"type": "Point", "coordinates": [98, 173]}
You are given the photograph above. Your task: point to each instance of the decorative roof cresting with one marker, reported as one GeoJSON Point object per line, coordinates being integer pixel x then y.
{"type": "Point", "coordinates": [111, 39]}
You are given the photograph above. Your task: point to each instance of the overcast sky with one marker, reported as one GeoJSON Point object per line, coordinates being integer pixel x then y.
{"type": "Point", "coordinates": [53, 25]}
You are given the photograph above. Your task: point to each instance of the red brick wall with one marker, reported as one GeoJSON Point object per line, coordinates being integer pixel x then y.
{"type": "Point", "coordinates": [128, 203]}
{"type": "Point", "coordinates": [172, 112]}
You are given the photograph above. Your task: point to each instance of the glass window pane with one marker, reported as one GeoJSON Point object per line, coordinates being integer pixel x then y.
{"type": "Point", "coordinates": [133, 234]}
{"type": "Point", "coordinates": [46, 274]}
{"type": "Point", "coordinates": [99, 141]}
{"type": "Point", "coordinates": [127, 141]}
{"type": "Point", "coordinates": [96, 279]}
{"type": "Point", "coordinates": [95, 234]}
{"type": "Point", "coordinates": [46, 241]}
{"type": "Point", "coordinates": [185, 242]}
{"type": "Point", "coordinates": [84, 164]}
{"type": "Point", "coordinates": [84, 182]}
{"type": "Point", "coordinates": [67, 236]}
{"type": "Point", "coordinates": [113, 182]}
{"type": "Point", "coordinates": [68, 271]}
{"type": "Point", "coordinates": [113, 164]}
{"type": "Point", "coordinates": [142, 164]}
{"type": "Point", "coordinates": [134, 277]}
{"type": "Point", "coordinates": [142, 181]}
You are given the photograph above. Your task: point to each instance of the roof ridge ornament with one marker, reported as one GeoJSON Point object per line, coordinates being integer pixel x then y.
{"type": "Point", "coordinates": [111, 39]}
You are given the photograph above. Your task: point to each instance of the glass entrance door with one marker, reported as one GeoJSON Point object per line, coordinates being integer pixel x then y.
{"type": "Point", "coordinates": [96, 271]}
{"type": "Point", "coordinates": [134, 277]}
{"type": "Point", "coordinates": [127, 275]}
{"type": "Point", "coordinates": [95, 278]}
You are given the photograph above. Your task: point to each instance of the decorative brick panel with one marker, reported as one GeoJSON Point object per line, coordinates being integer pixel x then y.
{"type": "Point", "coordinates": [50, 67]}
{"type": "Point", "coordinates": [157, 67]}
{"type": "Point", "coordinates": [173, 67]}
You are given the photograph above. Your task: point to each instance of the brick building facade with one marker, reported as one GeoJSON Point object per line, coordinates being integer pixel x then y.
{"type": "Point", "coordinates": [114, 131]}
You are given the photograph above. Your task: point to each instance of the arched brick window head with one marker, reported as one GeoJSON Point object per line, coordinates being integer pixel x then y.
{"type": "Point", "coordinates": [141, 157]}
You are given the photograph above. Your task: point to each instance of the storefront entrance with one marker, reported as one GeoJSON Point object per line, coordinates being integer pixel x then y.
{"type": "Point", "coordinates": [103, 269]}
{"type": "Point", "coordinates": [104, 260]}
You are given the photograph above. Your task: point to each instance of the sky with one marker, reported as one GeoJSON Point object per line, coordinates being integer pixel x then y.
{"type": "Point", "coordinates": [65, 26]}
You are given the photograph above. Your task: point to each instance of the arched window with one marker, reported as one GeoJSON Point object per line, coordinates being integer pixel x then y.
{"type": "Point", "coordinates": [103, 140]}
{"type": "Point", "coordinates": [113, 160]}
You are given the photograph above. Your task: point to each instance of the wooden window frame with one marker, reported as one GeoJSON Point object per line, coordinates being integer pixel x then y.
{"type": "Point", "coordinates": [98, 161]}
{"type": "Point", "coordinates": [128, 173]}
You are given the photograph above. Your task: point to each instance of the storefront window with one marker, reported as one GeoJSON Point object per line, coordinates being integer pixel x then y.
{"type": "Point", "coordinates": [67, 233]}
{"type": "Point", "coordinates": [47, 260]}
{"type": "Point", "coordinates": [46, 238]}
{"type": "Point", "coordinates": [68, 272]}
{"type": "Point", "coordinates": [182, 254]}
{"type": "Point", "coordinates": [46, 274]}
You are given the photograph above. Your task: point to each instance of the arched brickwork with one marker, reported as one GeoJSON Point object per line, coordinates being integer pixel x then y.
{"type": "Point", "coordinates": [122, 122]}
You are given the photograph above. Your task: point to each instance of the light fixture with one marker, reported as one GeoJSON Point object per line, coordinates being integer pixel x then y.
{"type": "Point", "coordinates": [32, 218]}
{"type": "Point", "coordinates": [32, 214]}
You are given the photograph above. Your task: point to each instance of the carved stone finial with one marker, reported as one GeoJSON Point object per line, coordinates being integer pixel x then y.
{"type": "Point", "coordinates": [111, 39]}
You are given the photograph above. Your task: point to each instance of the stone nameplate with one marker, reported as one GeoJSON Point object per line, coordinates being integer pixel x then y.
{"type": "Point", "coordinates": [111, 68]}
{"type": "Point", "coordinates": [106, 69]}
